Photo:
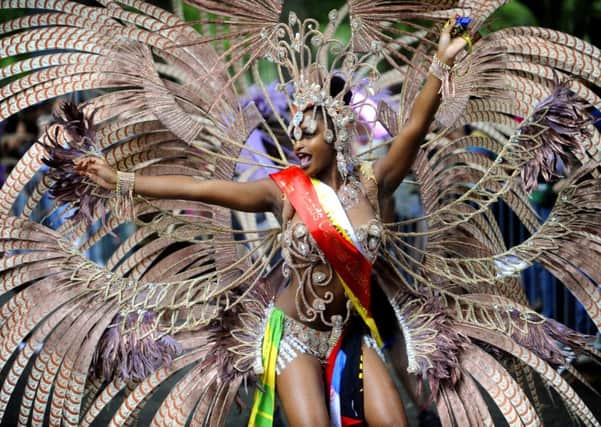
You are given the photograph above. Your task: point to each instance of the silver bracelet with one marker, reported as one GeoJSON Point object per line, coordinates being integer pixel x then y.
{"type": "Point", "coordinates": [444, 73]}
{"type": "Point", "coordinates": [124, 195]}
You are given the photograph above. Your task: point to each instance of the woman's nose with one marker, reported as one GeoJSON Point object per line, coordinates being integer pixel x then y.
{"type": "Point", "coordinates": [297, 143]}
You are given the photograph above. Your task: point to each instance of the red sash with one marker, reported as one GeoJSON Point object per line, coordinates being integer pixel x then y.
{"type": "Point", "coordinates": [348, 262]}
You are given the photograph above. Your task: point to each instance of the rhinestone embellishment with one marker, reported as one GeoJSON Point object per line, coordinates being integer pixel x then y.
{"type": "Point", "coordinates": [299, 231]}
{"type": "Point", "coordinates": [319, 277]}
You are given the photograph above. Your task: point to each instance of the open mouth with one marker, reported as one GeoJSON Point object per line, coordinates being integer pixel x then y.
{"type": "Point", "coordinates": [304, 158]}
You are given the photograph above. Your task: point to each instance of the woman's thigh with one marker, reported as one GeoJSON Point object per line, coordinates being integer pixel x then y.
{"type": "Point", "coordinates": [381, 400]}
{"type": "Point", "coordinates": [300, 389]}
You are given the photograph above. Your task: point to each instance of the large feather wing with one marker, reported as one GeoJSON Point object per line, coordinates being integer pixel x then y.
{"type": "Point", "coordinates": [456, 250]}
{"type": "Point", "coordinates": [185, 262]}
{"type": "Point", "coordinates": [155, 119]}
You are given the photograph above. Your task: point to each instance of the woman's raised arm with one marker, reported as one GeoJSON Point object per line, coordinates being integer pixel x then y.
{"type": "Point", "coordinates": [256, 196]}
{"type": "Point", "coordinates": [392, 168]}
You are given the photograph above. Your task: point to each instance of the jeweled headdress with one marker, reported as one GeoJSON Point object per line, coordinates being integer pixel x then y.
{"type": "Point", "coordinates": [309, 64]}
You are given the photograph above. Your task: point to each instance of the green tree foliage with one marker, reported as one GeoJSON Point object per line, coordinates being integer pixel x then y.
{"type": "Point", "coordinates": [581, 18]}
{"type": "Point", "coordinates": [7, 15]}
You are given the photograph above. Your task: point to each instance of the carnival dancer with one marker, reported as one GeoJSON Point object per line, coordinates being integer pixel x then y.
{"type": "Point", "coordinates": [330, 210]}
{"type": "Point", "coordinates": [187, 292]}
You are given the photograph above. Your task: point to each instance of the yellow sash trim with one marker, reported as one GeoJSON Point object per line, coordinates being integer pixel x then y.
{"type": "Point", "coordinates": [264, 399]}
{"type": "Point", "coordinates": [335, 212]}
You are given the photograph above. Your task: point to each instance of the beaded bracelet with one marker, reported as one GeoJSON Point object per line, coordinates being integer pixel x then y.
{"type": "Point", "coordinates": [124, 195]}
{"type": "Point", "coordinates": [443, 72]}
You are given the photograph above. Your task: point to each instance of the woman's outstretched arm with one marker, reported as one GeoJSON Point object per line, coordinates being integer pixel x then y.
{"type": "Point", "coordinates": [256, 196]}
{"type": "Point", "coordinates": [392, 168]}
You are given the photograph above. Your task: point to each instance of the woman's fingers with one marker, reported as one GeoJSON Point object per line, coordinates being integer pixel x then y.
{"type": "Point", "coordinates": [446, 37]}
{"type": "Point", "coordinates": [95, 169]}
{"type": "Point", "coordinates": [448, 27]}
{"type": "Point", "coordinates": [81, 163]}
{"type": "Point", "coordinates": [455, 37]}
{"type": "Point", "coordinates": [88, 164]}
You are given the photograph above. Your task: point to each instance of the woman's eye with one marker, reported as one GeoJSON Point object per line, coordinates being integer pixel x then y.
{"type": "Point", "coordinates": [305, 135]}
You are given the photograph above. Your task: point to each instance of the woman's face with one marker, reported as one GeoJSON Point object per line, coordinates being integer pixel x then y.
{"type": "Point", "coordinates": [316, 156]}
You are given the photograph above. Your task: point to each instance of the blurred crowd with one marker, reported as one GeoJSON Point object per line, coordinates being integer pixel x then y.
{"type": "Point", "coordinates": [18, 133]}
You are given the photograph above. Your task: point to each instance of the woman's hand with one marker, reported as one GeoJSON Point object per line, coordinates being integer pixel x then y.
{"type": "Point", "coordinates": [97, 170]}
{"type": "Point", "coordinates": [449, 47]}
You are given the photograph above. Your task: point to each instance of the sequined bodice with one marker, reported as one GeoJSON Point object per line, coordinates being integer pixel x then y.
{"type": "Point", "coordinates": [305, 261]}
{"type": "Point", "coordinates": [298, 238]}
